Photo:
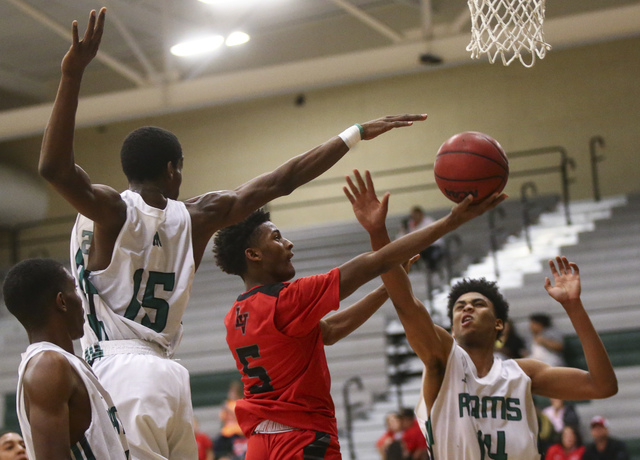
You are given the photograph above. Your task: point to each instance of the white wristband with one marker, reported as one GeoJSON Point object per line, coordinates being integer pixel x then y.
{"type": "Point", "coordinates": [352, 135]}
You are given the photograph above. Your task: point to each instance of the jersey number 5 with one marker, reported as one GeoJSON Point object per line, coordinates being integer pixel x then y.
{"type": "Point", "coordinates": [149, 300]}
{"type": "Point", "coordinates": [258, 372]}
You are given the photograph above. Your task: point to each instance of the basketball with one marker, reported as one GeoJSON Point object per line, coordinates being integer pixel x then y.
{"type": "Point", "coordinates": [471, 163]}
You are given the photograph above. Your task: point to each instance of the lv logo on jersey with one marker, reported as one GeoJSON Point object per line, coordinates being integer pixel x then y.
{"type": "Point", "coordinates": [241, 320]}
{"type": "Point", "coordinates": [156, 240]}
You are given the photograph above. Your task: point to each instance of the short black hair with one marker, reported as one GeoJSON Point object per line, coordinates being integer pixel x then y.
{"type": "Point", "coordinates": [230, 243]}
{"type": "Point", "coordinates": [146, 151]}
{"type": "Point", "coordinates": [541, 318]}
{"type": "Point", "coordinates": [489, 289]}
{"type": "Point", "coordinates": [29, 286]}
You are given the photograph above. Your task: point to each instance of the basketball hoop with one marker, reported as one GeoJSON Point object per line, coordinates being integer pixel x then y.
{"type": "Point", "coordinates": [509, 28]}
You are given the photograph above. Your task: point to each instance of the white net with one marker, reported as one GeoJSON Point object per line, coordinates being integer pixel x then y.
{"type": "Point", "coordinates": [509, 28]}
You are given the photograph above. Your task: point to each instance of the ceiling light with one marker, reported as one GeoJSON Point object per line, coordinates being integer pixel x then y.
{"type": "Point", "coordinates": [237, 38]}
{"type": "Point", "coordinates": [199, 46]}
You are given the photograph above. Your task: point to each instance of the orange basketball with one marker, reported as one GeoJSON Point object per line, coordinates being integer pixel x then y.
{"type": "Point", "coordinates": [471, 163]}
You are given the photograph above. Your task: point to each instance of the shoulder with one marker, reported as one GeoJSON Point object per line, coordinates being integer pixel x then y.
{"type": "Point", "coordinates": [531, 366]}
{"type": "Point", "coordinates": [48, 370]}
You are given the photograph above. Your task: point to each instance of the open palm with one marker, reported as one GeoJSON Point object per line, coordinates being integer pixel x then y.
{"type": "Point", "coordinates": [370, 212]}
{"type": "Point", "coordinates": [566, 280]}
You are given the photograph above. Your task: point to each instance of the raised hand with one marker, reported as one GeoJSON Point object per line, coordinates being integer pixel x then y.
{"type": "Point", "coordinates": [370, 212]}
{"type": "Point", "coordinates": [372, 129]}
{"type": "Point", "coordinates": [83, 51]}
{"type": "Point", "coordinates": [566, 278]}
{"type": "Point", "coordinates": [467, 209]}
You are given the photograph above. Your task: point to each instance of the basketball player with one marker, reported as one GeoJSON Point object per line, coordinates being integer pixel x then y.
{"type": "Point", "coordinates": [276, 333]}
{"type": "Point", "coordinates": [62, 408]}
{"type": "Point", "coordinates": [474, 406]}
{"type": "Point", "coordinates": [12, 446]}
{"type": "Point", "coordinates": [134, 254]}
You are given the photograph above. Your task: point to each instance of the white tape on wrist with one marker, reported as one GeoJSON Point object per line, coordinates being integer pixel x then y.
{"type": "Point", "coordinates": [352, 135]}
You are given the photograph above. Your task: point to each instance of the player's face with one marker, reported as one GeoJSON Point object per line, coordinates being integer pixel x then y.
{"type": "Point", "coordinates": [12, 447]}
{"type": "Point", "coordinates": [474, 314]}
{"type": "Point", "coordinates": [276, 252]}
{"type": "Point", "coordinates": [74, 308]}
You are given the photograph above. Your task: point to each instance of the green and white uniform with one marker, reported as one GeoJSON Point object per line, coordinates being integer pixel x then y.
{"type": "Point", "coordinates": [134, 313]}
{"type": "Point", "coordinates": [105, 438]}
{"type": "Point", "coordinates": [474, 418]}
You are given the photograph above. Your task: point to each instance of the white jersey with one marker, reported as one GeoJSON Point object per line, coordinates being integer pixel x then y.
{"type": "Point", "coordinates": [105, 437]}
{"type": "Point", "coordinates": [481, 418]}
{"type": "Point", "coordinates": [144, 291]}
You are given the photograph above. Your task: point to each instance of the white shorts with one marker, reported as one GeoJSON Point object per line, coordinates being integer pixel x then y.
{"type": "Point", "coordinates": [153, 398]}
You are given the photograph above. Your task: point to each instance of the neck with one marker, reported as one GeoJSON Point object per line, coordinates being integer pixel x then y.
{"type": "Point", "coordinates": [250, 283]}
{"type": "Point", "coordinates": [482, 358]}
{"type": "Point", "coordinates": [55, 336]}
{"type": "Point", "coordinates": [151, 193]}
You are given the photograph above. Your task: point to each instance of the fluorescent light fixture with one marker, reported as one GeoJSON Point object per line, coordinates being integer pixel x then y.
{"type": "Point", "coordinates": [237, 38]}
{"type": "Point", "coordinates": [198, 46]}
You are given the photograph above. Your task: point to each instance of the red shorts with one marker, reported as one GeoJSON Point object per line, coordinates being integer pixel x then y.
{"type": "Point", "coordinates": [293, 445]}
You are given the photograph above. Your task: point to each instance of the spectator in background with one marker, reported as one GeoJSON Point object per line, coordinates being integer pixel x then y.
{"type": "Point", "coordinates": [434, 254]}
{"type": "Point", "coordinates": [412, 437]}
{"type": "Point", "coordinates": [547, 435]}
{"type": "Point", "coordinates": [561, 414]}
{"type": "Point", "coordinates": [231, 443]}
{"type": "Point", "coordinates": [390, 443]}
{"type": "Point", "coordinates": [604, 447]}
{"type": "Point", "coordinates": [547, 345]}
{"type": "Point", "coordinates": [205, 445]}
{"type": "Point", "coordinates": [510, 345]}
{"type": "Point", "coordinates": [569, 448]}
{"type": "Point", "coordinates": [12, 446]}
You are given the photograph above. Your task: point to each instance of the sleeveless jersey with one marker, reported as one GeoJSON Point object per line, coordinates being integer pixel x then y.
{"type": "Point", "coordinates": [105, 438]}
{"type": "Point", "coordinates": [480, 418]}
{"type": "Point", "coordinates": [144, 291]}
{"type": "Point", "coordinates": [273, 332]}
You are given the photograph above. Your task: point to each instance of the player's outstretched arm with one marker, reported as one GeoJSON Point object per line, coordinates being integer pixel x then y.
{"type": "Point", "coordinates": [599, 381]}
{"type": "Point", "coordinates": [339, 325]}
{"type": "Point", "coordinates": [57, 164]}
{"type": "Point", "coordinates": [221, 209]}
{"type": "Point", "coordinates": [48, 387]}
{"type": "Point", "coordinates": [430, 342]}
{"type": "Point", "coordinates": [365, 267]}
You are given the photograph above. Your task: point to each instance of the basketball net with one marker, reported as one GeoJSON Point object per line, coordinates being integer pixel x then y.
{"type": "Point", "coordinates": [509, 28]}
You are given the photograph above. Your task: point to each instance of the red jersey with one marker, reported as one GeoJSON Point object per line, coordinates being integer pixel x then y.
{"type": "Point", "coordinates": [413, 438]}
{"type": "Point", "coordinates": [556, 452]}
{"type": "Point", "coordinates": [273, 332]}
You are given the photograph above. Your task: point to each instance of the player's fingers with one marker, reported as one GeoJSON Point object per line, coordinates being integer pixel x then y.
{"type": "Point", "coordinates": [100, 25]}
{"type": "Point", "coordinates": [575, 268]}
{"type": "Point", "coordinates": [74, 32]}
{"type": "Point", "coordinates": [465, 203]}
{"type": "Point", "coordinates": [353, 187]}
{"type": "Point", "coordinates": [552, 266]}
{"type": "Point", "coordinates": [91, 26]}
{"type": "Point", "coordinates": [407, 117]}
{"type": "Point", "coordinates": [547, 283]}
{"type": "Point", "coordinates": [370, 186]}
{"type": "Point", "coordinates": [562, 268]}
{"type": "Point", "coordinates": [385, 202]}
{"type": "Point", "coordinates": [349, 195]}
{"type": "Point", "coordinates": [361, 186]}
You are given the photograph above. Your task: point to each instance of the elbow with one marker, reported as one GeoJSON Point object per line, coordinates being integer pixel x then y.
{"type": "Point", "coordinates": [48, 171]}
{"type": "Point", "coordinates": [611, 389]}
{"type": "Point", "coordinates": [608, 390]}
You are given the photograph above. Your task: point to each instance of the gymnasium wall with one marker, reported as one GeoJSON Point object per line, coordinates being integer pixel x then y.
{"type": "Point", "coordinates": [565, 99]}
